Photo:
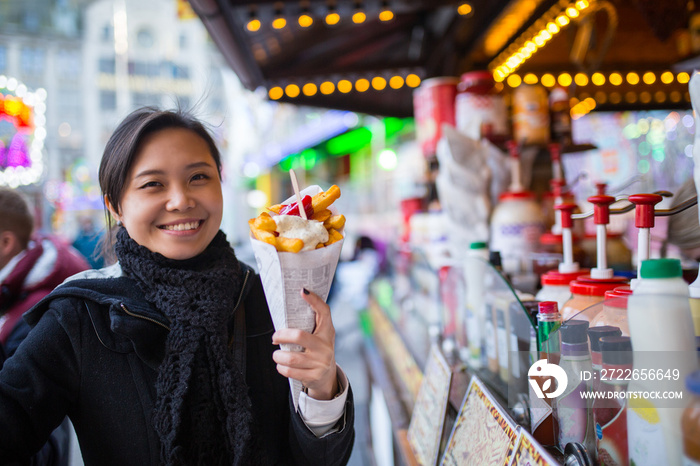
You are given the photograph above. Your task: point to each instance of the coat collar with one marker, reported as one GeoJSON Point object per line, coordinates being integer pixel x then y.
{"type": "Point", "coordinates": [121, 318]}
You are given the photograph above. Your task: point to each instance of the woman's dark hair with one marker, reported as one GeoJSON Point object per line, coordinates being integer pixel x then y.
{"type": "Point", "coordinates": [124, 145]}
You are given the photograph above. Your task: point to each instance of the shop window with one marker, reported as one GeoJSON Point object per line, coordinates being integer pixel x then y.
{"type": "Point", "coordinates": [32, 61]}
{"type": "Point", "coordinates": [31, 20]}
{"type": "Point", "coordinates": [141, 99]}
{"type": "Point", "coordinates": [108, 100]}
{"type": "Point", "coordinates": [145, 38]}
{"type": "Point", "coordinates": [107, 65]}
{"type": "Point", "coordinates": [106, 34]}
{"type": "Point", "coordinates": [68, 64]}
{"type": "Point", "coordinates": [3, 59]}
{"type": "Point", "coordinates": [180, 72]}
{"type": "Point", "coordinates": [140, 68]}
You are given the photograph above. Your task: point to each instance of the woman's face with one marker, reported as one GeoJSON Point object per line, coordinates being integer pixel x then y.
{"type": "Point", "coordinates": [172, 202]}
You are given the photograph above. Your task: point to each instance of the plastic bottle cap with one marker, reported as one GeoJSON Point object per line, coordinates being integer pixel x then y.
{"type": "Point", "coordinates": [618, 296]}
{"type": "Point", "coordinates": [692, 381]}
{"type": "Point", "coordinates": [591, 288]}
{"type": "Point", "coordinates": [596, 333]}
{"type": "Point", "coordinates": [661, 268]}
{"type": "Point", "coordinates": [554, 277]}
{"type": "Point", "coordinates": [623, 290]}
{"type": "Point", "coordinates": [616, 350]}
{"type": "Point", "coordinates": [531, 307]}
{"type": "Point", "coordinates": [574, 331]}
{"type": "Point", "coordinates": [477, 245]}
{"type": "Point", "coordinates": [551, 238]}
{"type": "Point", "coordinates": [548, 307]}
{"type": "Point", "coordinates": [516, 195]}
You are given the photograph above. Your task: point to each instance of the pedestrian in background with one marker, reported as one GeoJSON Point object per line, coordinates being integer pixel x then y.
{"type": "Point", "coordinates": [31, 266]}
{"type": "Point", "coordinates": [88, 241]}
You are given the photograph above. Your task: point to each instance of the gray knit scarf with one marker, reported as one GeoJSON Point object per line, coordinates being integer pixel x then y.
{"type": "Point", "coordinates": [203, 414]}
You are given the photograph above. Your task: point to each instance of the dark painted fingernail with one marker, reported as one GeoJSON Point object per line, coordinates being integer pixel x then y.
{"type": "Point", "coordinates": [305, 291]}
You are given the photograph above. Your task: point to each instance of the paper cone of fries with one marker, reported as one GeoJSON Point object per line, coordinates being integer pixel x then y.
{"type": "Point", "coordinates": [283, 276]}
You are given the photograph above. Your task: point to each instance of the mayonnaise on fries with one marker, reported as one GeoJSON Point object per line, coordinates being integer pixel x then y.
{"type": "Point", "coordinates": [291, 233]}
{"type": "Point", "coordinates": [311, 232]}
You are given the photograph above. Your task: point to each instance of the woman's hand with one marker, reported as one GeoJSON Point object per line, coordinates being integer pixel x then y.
{"type": "Point", "coordinates": [315, 366]}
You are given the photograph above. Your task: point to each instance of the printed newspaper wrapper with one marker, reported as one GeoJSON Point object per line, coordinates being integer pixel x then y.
{"type": "Point", "coordinates": [284, 274]}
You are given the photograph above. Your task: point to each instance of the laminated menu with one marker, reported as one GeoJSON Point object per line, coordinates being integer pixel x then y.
{"type": "Point", "coordinates": [284, 272]}
{"type": "Point", "coordinates": [528, 452]}
{"type": "Point", "coordinates": [484, 434]}
{"type": "Point", "coordinates": [428, 418]}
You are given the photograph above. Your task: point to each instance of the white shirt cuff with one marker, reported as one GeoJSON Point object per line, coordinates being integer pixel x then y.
{"type": "Point", "coordinates": [321, 416]}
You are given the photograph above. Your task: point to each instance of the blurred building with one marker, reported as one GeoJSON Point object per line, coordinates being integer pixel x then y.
{"type": "Point", "coordinates": [41, 46]}
{"type": "Point", "coordinates": [98, 60]}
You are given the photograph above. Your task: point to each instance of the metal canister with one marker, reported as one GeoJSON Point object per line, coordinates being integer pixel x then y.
{"type": "Point", "coordinates": [433, 105]}
{"type": "Point", "coordinates": [530, 114]}
{"type": "Point", "coordinates": [479, 110]}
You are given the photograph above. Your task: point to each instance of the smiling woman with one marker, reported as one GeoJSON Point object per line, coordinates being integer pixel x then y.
{"type": "Point", "coordinates": [177, 336]}
{"type": "Point", "coordinates": [161, 164]}
{"type": "Point", "coordinates": [171, 202]}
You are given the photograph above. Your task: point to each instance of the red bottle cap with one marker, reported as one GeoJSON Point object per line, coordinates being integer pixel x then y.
{"type": "Point", "coordinates": [567, 209]}
{"type": "Point", "coordinates": [644, 209]}
{"type": "Point", "coordinates": [601, 208]}
{"type": "Point", "coordinates": [617, 297]}
{"type": "Point", "coordinates": [516, 195]}
{"type": "Point", "coordinates": [513, 150]}
{"type": "Point", "coordinates": [554, 277]}
{"type": "Point", "coordinates": [591, 288]}
{"type": "Point", "coordinates": [548, 307]}
{"type": "Point", "coordinates": [555, 151]}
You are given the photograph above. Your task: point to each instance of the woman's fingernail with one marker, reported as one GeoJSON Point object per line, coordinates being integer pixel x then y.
{"type": "Point", "coordinates": [305, 291]}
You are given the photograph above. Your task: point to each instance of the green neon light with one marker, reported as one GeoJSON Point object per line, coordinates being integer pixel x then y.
{"type": "Point", "coordinates": [347, 143]}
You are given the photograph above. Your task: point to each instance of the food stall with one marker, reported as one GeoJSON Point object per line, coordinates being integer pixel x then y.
{"type": "Point", "coordinates": [557, 138]}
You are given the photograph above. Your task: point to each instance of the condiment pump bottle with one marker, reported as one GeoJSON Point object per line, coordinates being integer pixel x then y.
{"type": "Point", "coordinates": [644, 220]}
{"type": "Point", "coordinates": [601, 217]}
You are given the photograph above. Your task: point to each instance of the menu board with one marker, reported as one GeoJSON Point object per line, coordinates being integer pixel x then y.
{"type": "Point", "coordinates": [530, 453]}
{"type": "Point", "coordinates": [484, 434]}
{"type": "Point", "coordinates": [428, 418]}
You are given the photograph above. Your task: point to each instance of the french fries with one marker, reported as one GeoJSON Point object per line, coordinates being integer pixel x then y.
{"type": "Point", "coordinates": [264, 228]}
{"type": "Point", "coordinates": [336, 222]}
{"type": "Point", "coordinates": [288, 244]}
{"type": "Point", "coordinates": [324, 199]}
{"type": "Point", "coordinates": [333, 236]}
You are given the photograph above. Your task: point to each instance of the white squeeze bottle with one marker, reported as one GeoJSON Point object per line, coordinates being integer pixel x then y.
{"type": "Point", "coordinates": [475, 266]}
{"type": "Point", "coordinates": [663, 340]}
{"type": "Point", "coordinates": [516, 221]}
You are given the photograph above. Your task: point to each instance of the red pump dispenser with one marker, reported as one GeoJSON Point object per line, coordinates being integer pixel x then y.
{"type": "Point", "coordinates": [601, 217]}
{"type": "Point", "coordinates": [566, 210]}
{"type": "Point", "coordinates": [644, 220]}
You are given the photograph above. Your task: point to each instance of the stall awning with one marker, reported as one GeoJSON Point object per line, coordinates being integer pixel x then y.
{"type": "Point", "coordinates": [428, 38]}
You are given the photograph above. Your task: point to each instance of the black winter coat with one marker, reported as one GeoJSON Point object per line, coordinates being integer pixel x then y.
{"type": "Point", "coordinates": [93, 355]}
